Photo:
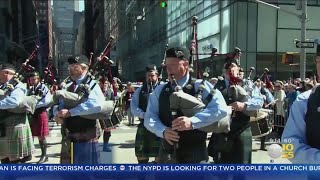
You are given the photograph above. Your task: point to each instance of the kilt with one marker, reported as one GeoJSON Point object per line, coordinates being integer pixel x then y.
{"type": "Point", "coordinates": [147, 144]}
{"type": "Point", "coordinates": [18, 142]}
{"type": "Point", "coordinates": [239, 151]}
{"type": "Point", "coordinates": [184, 155]}
{"type": "Point", "coordinates": [39, 124]}
{"type": "Point", "coordinates": [83, 152]}
{"type": "Point", "coordinates": [65, 155]}
{"type": "Point", "coordinates": [84, 145]}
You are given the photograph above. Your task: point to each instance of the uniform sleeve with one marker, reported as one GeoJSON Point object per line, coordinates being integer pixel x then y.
{"type": "Point", "coordinates": [55, 110]}
{"type": "Point", "coordinates": [46, 99]}
{"type": "Point", "coordinates": [248, 85]}
{"type": "Point", "coordinates": [151, 120]}
{"type": "Point", "coordinates": [14, 99]}
{"type": "Point", "coordinates": [134, 105]}
{"type": "Point", "coordinates": [295, 133]}
{"type": "Point", "coordinates": [92, 105]}
{"type": "Point", "coordinates": [214, 111]}
{"type": "Point", "coordinates": [269, 97]}
{"type": "Point", "coordinates": [255, 102]}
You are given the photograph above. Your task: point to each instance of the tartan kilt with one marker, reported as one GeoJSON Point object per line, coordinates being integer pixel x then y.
{"type": "Point", "coordinates": [184, 155]}
{"type": "Point", "coordinates": [39, 124]}
{"type": "Point", "coordinates": [238, 152]}
{"type": "Point", "coordinates": [18, 142]}
{"type": "Point", "coordinates": [83, 152]}
{"type": "Point", "coordinates": [65, 153]}
{"type": "Point", "coordinates": [92, 137]}
{"type": "Point", "coordinates": [147, 144]}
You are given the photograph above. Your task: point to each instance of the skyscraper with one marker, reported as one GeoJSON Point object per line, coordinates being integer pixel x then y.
{"type": "Point", "coordinates": [63, 18]}
{"type": "Point", "coordinates": [43, 8]}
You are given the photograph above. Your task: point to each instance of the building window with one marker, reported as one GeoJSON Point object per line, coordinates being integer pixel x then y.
{"type": "Point", "coordinates": [178, 12]}
{"type": "Point", "coordinates": [207, 12]}
{"type": "Point", "coordinates": [169, 18]}
{"type": "Point", "coordinates": [178, 27]}
{"type": "Point", "coordinates": [199, 7]}
{"type": "Point", "coordinates": [193, 4]}
{"type": "Point", "coordinates": [174, 15]}
{"type": "Point", "coordinates": [207, 4]}
{"type": "Point", "coordinates": [280, 71]}
{"type": "Point", "coordinates": [169, 33]}
{"type": "Point", "coordinates": [214, 8]}
{"type": "Point", "coordinates": [184, 17]}
{"type": "Point", "coordinates": [200, 15]}
{"type": "Point", "coordinates": [174, 30]}
{"type": "Point", "coordinates": [178, 19]}
{"type": "Point", "coordinates": [174, 6]}
{"type": "Point", "coordinates": [178, 4]}
{"type": "Point", "coordinates": [265, 60]}
{"type": "Point", "coordinates": [174, 23]}
{"type": "Point", "coordinates": [193, 12]}
{"type": "Point", "coordinates": [184, 7]}
{"type": "Point", "coordinates": [184, 24]}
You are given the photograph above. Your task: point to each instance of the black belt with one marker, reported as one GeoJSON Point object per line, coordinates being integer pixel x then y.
{"type": "Point", "coordinates": [40, 110]}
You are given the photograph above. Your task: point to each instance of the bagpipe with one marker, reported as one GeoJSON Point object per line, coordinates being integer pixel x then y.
{"type": "Point", "coordinates": [163, 65]}
{"type": "Point", "coordinates": [49, 75]}
{"type": "Point", "coordinates": [266, 79]}
{"type": "Point", "coordinates": [194, 56]}
{"type": "Point", "coordinates": [190, 105]}
{"type": "Point", "coordinates": [28, 103]}
{"type": "Point", "coordinates": [47, 82]}
{"type": "Point", "coordinates": [236, 91]}
{"type": "Point", "coordinates": [95, 73]}
{"type": "Point", "coordinates": [247, 83]}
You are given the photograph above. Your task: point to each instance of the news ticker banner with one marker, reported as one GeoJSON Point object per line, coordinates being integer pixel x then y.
{"type": "Point", "coordinates": [213, 168]}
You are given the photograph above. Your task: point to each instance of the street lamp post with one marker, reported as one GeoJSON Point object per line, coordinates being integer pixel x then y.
{"type": "Point", "coordinates": [303, 18]}
{"type": "Point", "coordinates": [303, 55]}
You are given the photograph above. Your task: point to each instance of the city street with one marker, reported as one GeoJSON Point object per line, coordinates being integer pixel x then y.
{"type": "Point", "coordinates": [122, 146]}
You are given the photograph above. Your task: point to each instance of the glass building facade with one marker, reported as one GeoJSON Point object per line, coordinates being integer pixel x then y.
{"type": "Point", "coordinates": [261, 32]}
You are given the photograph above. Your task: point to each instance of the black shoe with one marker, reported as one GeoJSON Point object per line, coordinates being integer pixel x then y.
{"type": "Point", "coordinates": [263, 149]}
{"type": "Point", "coordinates": [5, 161]}
{"type": "Point", "coordinates": [25, 159]}
{"type": "Point", "coordinates": [43, 159]}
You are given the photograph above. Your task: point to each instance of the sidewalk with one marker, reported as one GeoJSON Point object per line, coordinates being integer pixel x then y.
{"type": "Point", "coordinates": [122, 147]}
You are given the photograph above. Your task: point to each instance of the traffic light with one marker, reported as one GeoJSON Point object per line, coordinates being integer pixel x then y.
{"type": "Point", "coordinates": [287, 58]}
{"type": "Point", "coordinates": [163, 3]}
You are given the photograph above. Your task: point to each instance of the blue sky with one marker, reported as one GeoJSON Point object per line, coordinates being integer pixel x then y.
{"type": "Point", "coordinates": [81, 5]}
